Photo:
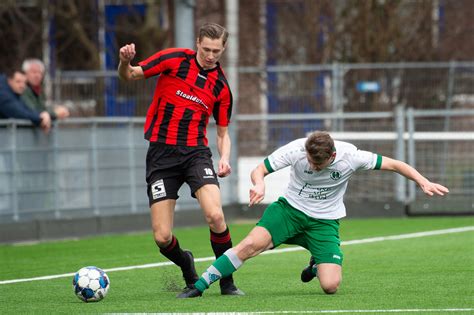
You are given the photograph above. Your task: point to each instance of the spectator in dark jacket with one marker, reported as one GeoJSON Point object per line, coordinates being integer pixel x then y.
{"type": "Point", "coordinates": [11, 106]}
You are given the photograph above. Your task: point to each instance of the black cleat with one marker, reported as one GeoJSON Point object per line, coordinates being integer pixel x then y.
{"type": "Point", "coordinates": [230, 289]}
{"type": "Point", "coordinates": [307, 273]}
{"type": "Point", "coordinates": [189, 293]}
{"type": "Point", "coordinates": [189, 271]}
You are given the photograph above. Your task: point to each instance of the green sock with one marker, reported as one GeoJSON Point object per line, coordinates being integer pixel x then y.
{"type": "Point", "coordinates": [221, 268]}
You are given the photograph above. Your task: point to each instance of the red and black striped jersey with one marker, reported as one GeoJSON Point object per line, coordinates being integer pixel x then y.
{"type": "Point", "coordinates": [185, 97]}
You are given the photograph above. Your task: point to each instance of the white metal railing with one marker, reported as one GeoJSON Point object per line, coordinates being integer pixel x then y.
{"type": "Point", "coordinates": [95, 166]}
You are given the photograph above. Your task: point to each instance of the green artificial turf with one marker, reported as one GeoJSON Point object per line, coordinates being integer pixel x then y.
{"type": "Point", "coordinates": [427, 274]}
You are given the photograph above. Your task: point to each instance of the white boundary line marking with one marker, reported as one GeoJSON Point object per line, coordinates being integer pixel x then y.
{"type": "Point", "coordinates": [413, 310]}
{"type": "Point", "coordinates": [276, 251]}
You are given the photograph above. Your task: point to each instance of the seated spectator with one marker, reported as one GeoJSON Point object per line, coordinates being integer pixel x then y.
{"type": "Point", "coordinates": [34, 96]}
{"type": "Point", "coordinates": [11, 106]}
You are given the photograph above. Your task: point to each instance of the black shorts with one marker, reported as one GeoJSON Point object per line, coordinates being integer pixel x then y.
{"type": "Point", "coordinates": [169, 166]}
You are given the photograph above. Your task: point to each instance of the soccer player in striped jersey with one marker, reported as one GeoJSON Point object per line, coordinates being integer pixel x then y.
{"type": "Point", "coordinates": [191, 88]}
{"type": "Point", "coordinates": [308, 214]}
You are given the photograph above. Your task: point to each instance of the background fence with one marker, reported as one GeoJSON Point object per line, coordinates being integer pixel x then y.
{"type": "Point", "coordinates": [332, 88]}
{"type": "Point", "coordinates": [410, 135]}
{"type": "Point", "coordinates": [422, 113]}
{"type": "Point", "coordinates": [95, 167]}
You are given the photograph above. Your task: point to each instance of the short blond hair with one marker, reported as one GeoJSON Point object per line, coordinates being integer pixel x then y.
{"type": "Point", "coordinates": [213, 31]}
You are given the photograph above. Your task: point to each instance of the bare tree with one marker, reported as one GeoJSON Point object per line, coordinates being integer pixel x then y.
{"type": "Point", "coordinates": [74, 31]}
{"type": "Point", "coordinates": [272, 32]}
{"type": "Point", "coordinates": [145, 30]}
{"type": "Point", "coordinates": [76, 25]}
{"type": "Point", "coordinates": [20, 34]}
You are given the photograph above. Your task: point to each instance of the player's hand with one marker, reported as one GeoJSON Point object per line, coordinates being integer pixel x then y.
{"type": "Point", "coordinates": [127, 53]}
{"type": "Point", "coordinates": [257, 193]}
{"type": "Point", "coordinates": [430, 189]}
{"type": "Point", "coordinates": [224, 168]}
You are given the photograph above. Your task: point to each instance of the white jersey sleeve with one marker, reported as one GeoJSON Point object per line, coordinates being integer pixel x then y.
{"type": "Point", "coordinates": [285, 156]}
{"type": "Point", "coordinates": [363, 160]}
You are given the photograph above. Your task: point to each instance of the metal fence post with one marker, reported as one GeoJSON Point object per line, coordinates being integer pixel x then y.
{"type": "Point", "coordinates": [57, 85]}
{"type": "Point", "coordinates": [400, 181]}
{"type": "Point", "coordinates": [56, 169]}
{"type": "Point", "coordinates": [335, 93]}
{"type": "Point", "coordinates": [338, 95]}
{"type": "Point", "coordinates": [16, 215]}
{"type": "Point", "coordinates": [131, 160]}
{"type": "Point", "coordinates": [411, 152]}
{"type": "Point", "coordinates": [449, 94]}
{"type": "Point", "coordinates": [447, 118]}
{"type": "Point", "coordinates": [95, 170]}
{"type": "Point", "coordinates": [341, 73]}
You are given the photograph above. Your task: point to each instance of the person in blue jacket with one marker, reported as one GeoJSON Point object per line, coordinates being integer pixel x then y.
{"type": "Point", "coordinates": [12, 85]}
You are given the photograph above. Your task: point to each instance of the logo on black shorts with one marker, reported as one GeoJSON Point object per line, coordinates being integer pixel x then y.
{"type": "Point", "coordinates": [208, 173]}
{"type": "Point", "coordinates": [158, 189]}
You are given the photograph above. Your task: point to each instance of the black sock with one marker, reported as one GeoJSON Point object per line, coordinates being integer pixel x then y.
{"type": "Point", "coordinates": [221, 242]}
{"type": "Point", "coordinates": [173, 252]}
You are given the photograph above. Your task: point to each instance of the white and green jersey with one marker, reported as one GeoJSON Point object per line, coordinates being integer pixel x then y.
{"type": "Point", "coordinates": [320, 194]}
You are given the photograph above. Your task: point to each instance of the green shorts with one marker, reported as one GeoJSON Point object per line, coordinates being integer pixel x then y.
{"type": "Point", "coordinates": [288, 225]}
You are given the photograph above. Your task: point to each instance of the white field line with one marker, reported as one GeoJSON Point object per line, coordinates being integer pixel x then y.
{"type": "Point", "coordinates": [413, 310]}
{"type": "Point", "coordinates": [276, 251]}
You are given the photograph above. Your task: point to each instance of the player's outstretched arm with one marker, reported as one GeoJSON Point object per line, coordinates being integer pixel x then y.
{"type": "Point", "coordinates": [125, 70]}
{"type": "Point", "coordinates": [409, 172]}
{"type": "Point", "coordinates": [257, 192]}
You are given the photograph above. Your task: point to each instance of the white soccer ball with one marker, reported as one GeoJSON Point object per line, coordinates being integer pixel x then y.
{"type": "Point", "coordinates": [90, 284]}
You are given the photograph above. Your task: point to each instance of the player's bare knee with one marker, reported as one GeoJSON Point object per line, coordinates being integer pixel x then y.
{"type": "Point", "coordinates": [215, 219]}
{"type": "Point", "coordinates": [330, 287]}
{"type": "Point", "coordinates": [331, 291]}
{"type": "Point", "coordinates": [162, 239]}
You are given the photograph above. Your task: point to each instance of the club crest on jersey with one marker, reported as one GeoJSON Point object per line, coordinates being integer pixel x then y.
{"type": "Point", "coordinates": [335, 175]}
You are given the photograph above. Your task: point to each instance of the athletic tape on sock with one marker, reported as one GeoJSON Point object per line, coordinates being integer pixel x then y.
{"type": "Point", "coordinates": [236, 262]}
{"type": "Point", "coordinates": [211, 275]}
